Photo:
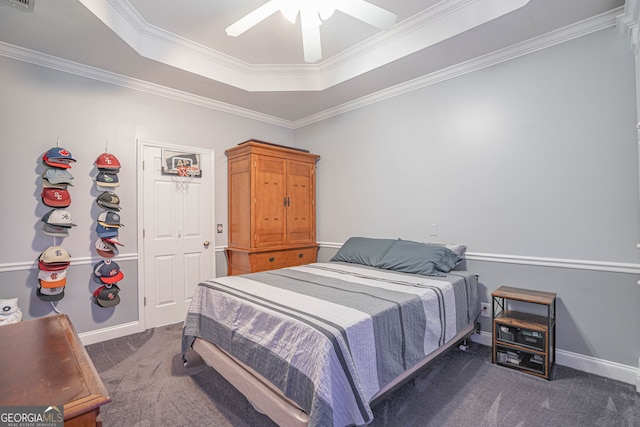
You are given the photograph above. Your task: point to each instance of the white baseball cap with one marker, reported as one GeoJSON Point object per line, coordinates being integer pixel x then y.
{"type": "Point", "coordinates": [59, 217]}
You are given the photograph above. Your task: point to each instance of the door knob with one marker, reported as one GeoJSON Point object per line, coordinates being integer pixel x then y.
{"type": "Point", "coordinates": [206, 244]}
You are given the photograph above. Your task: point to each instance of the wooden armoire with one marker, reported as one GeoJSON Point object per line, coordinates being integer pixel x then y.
{"type": "Point", "coordinates": [272, 211]}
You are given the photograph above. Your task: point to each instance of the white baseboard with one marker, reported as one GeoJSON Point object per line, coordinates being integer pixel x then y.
{"type": "Point", "coordinates": [110, 333]}
{"type": "Point", "coordinates": [592, 365]}
{"type": "Point", "coordinates": [638, 377]}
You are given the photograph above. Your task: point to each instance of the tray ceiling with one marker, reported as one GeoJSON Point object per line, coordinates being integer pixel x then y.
{"type": "Point", "coordinates": [183, 45]}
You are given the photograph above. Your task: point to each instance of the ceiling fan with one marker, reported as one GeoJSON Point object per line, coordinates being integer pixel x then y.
{"type": "Point", "coordinates": [312, 13]}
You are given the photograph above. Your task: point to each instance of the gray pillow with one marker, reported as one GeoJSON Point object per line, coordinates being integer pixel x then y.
{"type": "Point", "coordinates": [363, 250]}
{"type": "Point", "coordinates": [419, 258]}
{"type": "Point", "coordinates": [455, 247]}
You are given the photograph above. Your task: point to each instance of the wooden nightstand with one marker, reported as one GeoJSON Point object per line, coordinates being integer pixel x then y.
{"type": "Point", "coordinates": [524, 341]}
{"type": "Point", "coordinates": [44, 363]}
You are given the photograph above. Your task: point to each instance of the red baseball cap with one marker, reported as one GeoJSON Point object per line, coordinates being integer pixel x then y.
{"type": "Point", "coordinates": [113, 240]}
{"type": "Point", "coordinates": [53, 266]}
{"type": "Point", "coordinates": [107, 161]}
{"type": "Point", "coordinates": [106, 250]}
{"type": "Point", "coordinates": [54, 164]}
{"type": "Point", "coordinates": [56, 197]}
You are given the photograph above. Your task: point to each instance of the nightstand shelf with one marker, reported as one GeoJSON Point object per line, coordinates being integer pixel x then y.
{"type": "Point", "coordinates": [521, 340]}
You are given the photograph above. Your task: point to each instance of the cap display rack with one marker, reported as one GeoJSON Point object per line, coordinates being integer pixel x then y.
{"type": "Point", "coordinates": [54, 261]}
{"type": "Point", "coordinates": [106, 273]}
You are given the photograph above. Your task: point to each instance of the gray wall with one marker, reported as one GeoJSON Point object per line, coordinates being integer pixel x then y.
{"type": "Point", "coordinates": [38, 106]}
{"type": "Point", "coordinates": [532, 158]}
{"type": "Point", "coordinates": [529, 160]}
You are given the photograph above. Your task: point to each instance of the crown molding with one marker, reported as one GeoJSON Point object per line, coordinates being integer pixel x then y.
{"type": "Point", "coordinates": [435, 24]}
{"type": "Point", "coordinates": [52, 62]}
{"type": "Point", "coordinates": [440, 22]}
{"type": "Point", "coordinates": [562, 35]}
{"type": "Point", "coordinates": [588, 26]}
{"type": "Point", "coordinates": [629, 23]}
{"type": "Point", "coordinates": [400, 31]}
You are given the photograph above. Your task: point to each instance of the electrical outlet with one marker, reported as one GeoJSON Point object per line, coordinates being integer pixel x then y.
{"type": "Point", "coordinates": [485, 308]}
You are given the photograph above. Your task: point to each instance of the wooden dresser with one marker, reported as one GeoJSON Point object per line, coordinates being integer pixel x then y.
{"type": "Point", "coordinates": [44, 363]}
{"type": "Point", "coordinates": [272, 212]}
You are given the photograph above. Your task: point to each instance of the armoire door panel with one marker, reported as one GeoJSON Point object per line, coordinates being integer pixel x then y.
{"type": "Point", "coordinates": [300, 211]}
{"type": "Point", "coordinates": [240, 202]}
{"type": "Point", "coordinates": [270, 187]}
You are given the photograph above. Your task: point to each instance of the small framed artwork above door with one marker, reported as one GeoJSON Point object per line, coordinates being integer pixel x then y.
{"type": "Point", "coordinates": [175, 228]}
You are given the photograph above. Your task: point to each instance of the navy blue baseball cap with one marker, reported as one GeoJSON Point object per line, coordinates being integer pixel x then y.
{"type": "Point", "coordinates": [106, 231]}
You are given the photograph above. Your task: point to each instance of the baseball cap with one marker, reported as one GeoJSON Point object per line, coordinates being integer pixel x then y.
{"type": "Point", "coordinates": [59, 217]}
{"type": "Point", "coordinates": [52, 279]}
{"type": "Point", "coordinates": [54, 258]}
{"type": "Point", "coordinates": [113, 240]}
{"type": "Point", "coordinates": [54, 164]}
{"type": "Point", "coordinates": [110, 246]}
{"type": "Point", "coordinates": [109, 200]}
{"type": "Point", "coordinates": [56, 197]}
{"type": "Point", "coordinates": [58, 157]}
{"type": "Point", "coordinates": [107, 179]}
{"type": "Point", "coordinates": [106, 249]}
{"type": "Point", "coordinates": [107, 296]}
{"type": "Point", "coordinates": [55, 230]}
{"type": "Point", "coordinates": [55, 254]}
{"type": "Point", "coordinates": [54, 266]}
{"type": "Point", "coordinates": [108, 271]}
{"type": "Point", "coordinates": [110, 219]}
{"type": "Point", "coordinates": [57, 176]}
{"type": "Point", "coordinates": [50, 294]}
{"type": "Point", "coordinates": [47, 184]}
{"type": "Point", "coordinates": [96, 278]}
{"type": "Point", "coordinates": [106, 232]}
{"type": "Point", "coordinates": [59, 153]}
{"type": "Point", "coordinates": [107, 161]}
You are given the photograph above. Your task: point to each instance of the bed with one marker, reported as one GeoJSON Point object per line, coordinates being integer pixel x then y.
{"type": "Point", "coordinates": [320, 344]}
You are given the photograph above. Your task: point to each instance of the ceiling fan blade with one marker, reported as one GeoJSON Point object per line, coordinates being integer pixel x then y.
{"type": "Point", "coordinates": [310, 36]}
{"type": "Point", "coordinates": [367, 12]}
{"type": "Point", "coordinates": [248, 21]}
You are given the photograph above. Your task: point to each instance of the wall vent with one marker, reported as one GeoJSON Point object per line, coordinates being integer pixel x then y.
{"type": "Point", "coordinates": [26, 5]}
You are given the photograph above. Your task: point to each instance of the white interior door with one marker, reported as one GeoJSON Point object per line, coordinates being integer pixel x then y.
{"type": "Point", "coordinates": [178, 249]}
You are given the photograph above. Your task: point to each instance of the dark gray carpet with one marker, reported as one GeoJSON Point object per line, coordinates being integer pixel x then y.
{"type": "Point", "coordinates": [149, 386]}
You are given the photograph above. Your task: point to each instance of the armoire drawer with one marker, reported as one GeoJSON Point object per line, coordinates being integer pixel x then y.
{"type": "Point", "coordinates": [270, 260]}
{"type": "Point", "coordinates": [301, 256]}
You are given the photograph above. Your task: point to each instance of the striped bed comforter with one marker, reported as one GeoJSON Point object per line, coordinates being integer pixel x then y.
{"type": "Point", "coordinates": [331, 335]}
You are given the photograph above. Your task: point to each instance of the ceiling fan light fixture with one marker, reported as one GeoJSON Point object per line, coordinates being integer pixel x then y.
{"type": "Point", "coordinates": [309, 17]}
{"type": "Point", "coordinates": [312, 14]}
{"type": "Point", "coordinates": [325, 11]}
{"type": "Point", "coordinates": [290, 9]}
